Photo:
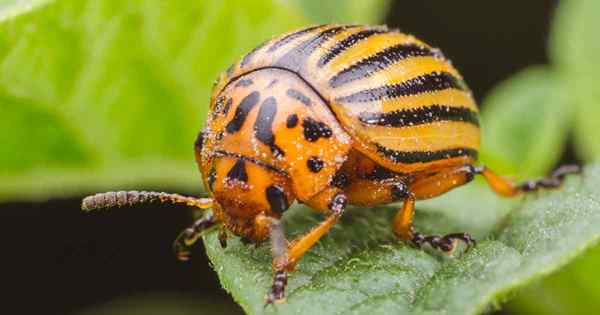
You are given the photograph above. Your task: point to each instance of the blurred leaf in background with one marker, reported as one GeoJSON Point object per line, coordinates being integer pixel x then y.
{"type": "Point", "coordinates": [525, 124]}
{"type": "Point", "coordinates": [575, 51]}
{"type": "Point", "coordinates": [105, 94]}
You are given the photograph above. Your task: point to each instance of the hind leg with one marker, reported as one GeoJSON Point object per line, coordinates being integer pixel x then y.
{"type": "Point", "coordinates": [444, 180]}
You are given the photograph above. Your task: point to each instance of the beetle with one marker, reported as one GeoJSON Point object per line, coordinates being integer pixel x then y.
{"type": "Point", "coordinates": [332, 115]}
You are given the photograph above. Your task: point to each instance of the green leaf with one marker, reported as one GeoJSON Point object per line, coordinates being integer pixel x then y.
{"type": "Point", "coordinates": [575, 49]}
{"type": "Point", "coordinates": [92, 91]}
{"type": "Point", "coordinates": [343, 11]}
{"type": "Point", "coordinates": [572, 290]}
{"type": "Point", "coordinates": [525, 123]}
{"type": "Point", "coordinates": [360, 268]}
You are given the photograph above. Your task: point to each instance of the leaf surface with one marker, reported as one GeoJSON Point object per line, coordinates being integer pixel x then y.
{"type": "Point", "coordinates": [360, 268]}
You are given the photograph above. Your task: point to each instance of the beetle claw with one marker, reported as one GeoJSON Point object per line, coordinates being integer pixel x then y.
{"type": "Point", "coordinates": [446, 243]}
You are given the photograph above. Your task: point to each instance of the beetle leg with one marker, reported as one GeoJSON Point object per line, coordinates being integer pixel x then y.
{"type": "Point", "coordinates": [223, 237]}
{"type": "Point", "coordinates": [403, 221]}
{"type": "Point", "coordinates": [299, 246]}
{"type": "Point", "coordinates": [403, 228]}
{"type": "Point", "coordinates": [445, 243]}
{"type": "Point", "coordinates": [280, 257]}
{"type": "Point", "coordinates": [507, 188]}
{"type": "Point", "coordinates": [188, 237]}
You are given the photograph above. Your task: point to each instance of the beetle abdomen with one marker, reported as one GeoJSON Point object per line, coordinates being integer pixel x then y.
{"type": "Point", "coordinates": [401, 100]}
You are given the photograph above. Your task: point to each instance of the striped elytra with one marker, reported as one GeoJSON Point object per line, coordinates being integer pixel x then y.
{"type": "Point", "coordinates": [331, 115]}
{"type": "Point", "coordinates": [389, 91]}
{"type": "Point", "coordinates": [301, 104]}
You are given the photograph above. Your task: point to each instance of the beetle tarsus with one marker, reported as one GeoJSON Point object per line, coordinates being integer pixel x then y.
{"type": "Point", "coordinates": [188, 237]}
{"type": "Point", "coordinates": [277, 292]}
{"type": "Point", "coordinates": [223, 237]}
{"type": "Point", "coordinates": [446, 243]}
{"type": "Point", "coordinates": [554, 180]}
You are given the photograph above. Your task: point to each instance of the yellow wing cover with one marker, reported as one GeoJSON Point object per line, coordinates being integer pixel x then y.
{"type": "Point", "coordinates": [402, 101]}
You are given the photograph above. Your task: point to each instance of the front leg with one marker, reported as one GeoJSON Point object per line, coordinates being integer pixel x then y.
{"type": "Point", "coordinates": [188, 237]}
{"type": "Point", "coordinates": [279, 255]}
{"type": "Point", "coordinates": [286, 256]}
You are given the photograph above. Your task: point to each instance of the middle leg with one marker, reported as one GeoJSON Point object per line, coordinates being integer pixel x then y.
{"type": "Point", "coordinates": [403, 226]}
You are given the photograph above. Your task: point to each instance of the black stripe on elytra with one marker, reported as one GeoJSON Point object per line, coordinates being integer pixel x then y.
{"type": "Point", "coordinates": [263, 126]}
{"type": "Point", "coordinates": [345, 44]}
{"type": "Point", "coordinates": [378, 62]}
{"type": "Point", "coordinates": [243, 82]}
{"type": "Point", "coordinates": [435, 81]}
{"type": "Point", "coordinates": [419, 116]}
{"type": "Point", "coordinates": [313, 130]}
{"type": "Point", "coordinates": [220, 153]}
{"type": "Point", "coordinates": [248, 57]}
{"type": "Point", "coordinates": [241, 112]}
{"type": "Point", "coordinates": [409, 157]}
{"type": "Point", "coordinates": [238, 172]}
{"type": "Point", "coordinates": [277, 199]}
{"type": "Point", "coordinates": [299, 96]}
{"type": "Point", "coordinates": [295, 59]}
{"type": "Point", "coordinates": [290, 37]}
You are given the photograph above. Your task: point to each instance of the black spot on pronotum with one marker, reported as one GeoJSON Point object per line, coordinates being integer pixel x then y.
{"type": "Point", "coordinates": [242, 111]}
{"type": "Point", "coordinates": [299, 96]}
{"type": "Point", "coordinates": [277, 199]}
{"type": "Point", "coordinates": [313, 130]}
{"type": "Point", "coordinates": [292, 121]}
{"type": "Point", "coordinates": [238, 172]}
{"type": "Point", "coordinates": [315, 164]}
{"type": "Point", "coordinates": [227, 106]}
{"type": "Point", "coordinates": [263, 126]}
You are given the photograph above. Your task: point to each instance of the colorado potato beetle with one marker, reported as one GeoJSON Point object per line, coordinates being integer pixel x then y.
{"type": "Point", "coordinates": [332, 115]}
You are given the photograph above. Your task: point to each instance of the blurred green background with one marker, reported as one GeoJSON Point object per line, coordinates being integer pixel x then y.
{"type": "Point", "coordinates": [98, 95]}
